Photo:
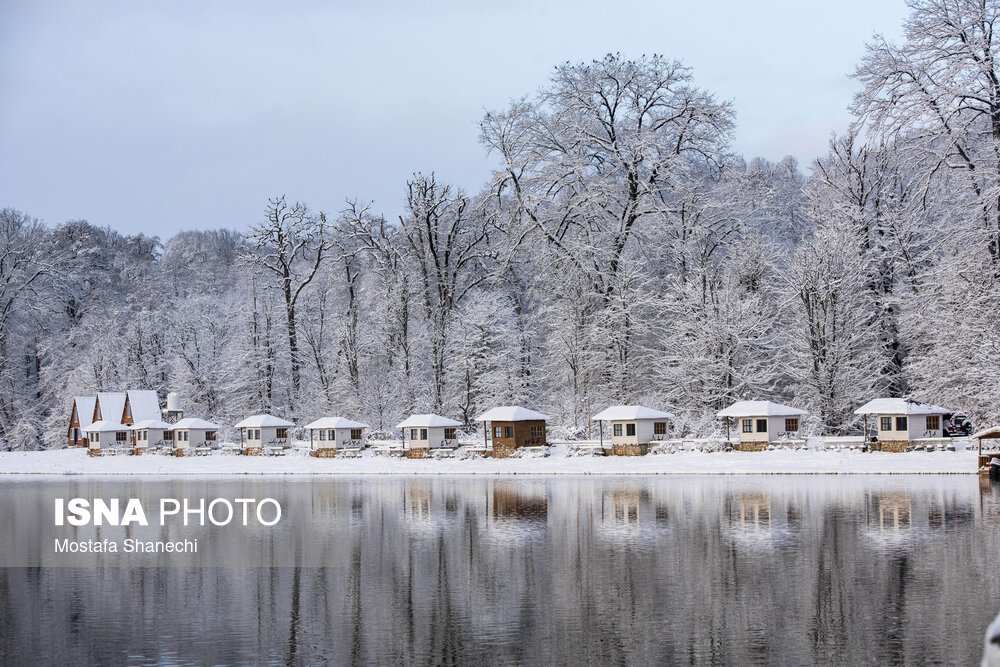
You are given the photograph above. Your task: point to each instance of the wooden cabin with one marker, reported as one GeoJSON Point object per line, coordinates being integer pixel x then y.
{"type": "Point", "coordinates": [633, 427]}
{"type": "Point", "coordinates": [191, 433]}
{"type": "Point", "coordinates": [900, 421]}
{"type": "Point", "coordinates": [326, 434]}
{"type": "Point", "coordinates": [761, 423]}
{"type": "Point", "coordinates": [109, 406]}
{"type": "Point", "coordinates": [80, 418]}
{"type": "Point", "coordinates": [424, 432]}
{"type": "Point", "coordinates": [149, 433]}
{"type": "Point", "coordinates": [103, 435]}
{"type": "Point", "coordinates": [512, 427]}
{"type": "Point", "coordinates": [259, 431]}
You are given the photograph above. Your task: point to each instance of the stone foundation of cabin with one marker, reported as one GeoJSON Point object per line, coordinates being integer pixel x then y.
{"type": "Point", "coordinates": [251, 451]}
{"type": "Point", "coordinates": [93, 452]}
{"type": "Point", "coordinates": [178, 452]}
{"type": "Point", "coordinates": [138, 451]}
{"type": "Point", "coordinates": [890, 446]}
{"type": "Point", "coordinates": [630, 449]}
{"type": "Point", "coordinates": [417, 453]}
{"type": "Point", "coordinates": [324, 453]}
{"type": "Point", "coordinates": [502, 451]}
{"type": "Point", "coordinates": [751, 446]}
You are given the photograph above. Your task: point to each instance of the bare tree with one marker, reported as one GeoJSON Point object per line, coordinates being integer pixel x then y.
{"type": "Point", "coordinates": [291, 244]}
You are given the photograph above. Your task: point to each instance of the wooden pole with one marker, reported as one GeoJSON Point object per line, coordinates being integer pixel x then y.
{"type": "Point", "coordinates": [864, 434]}
{"type": "Point", "coordinates": [727, 430]}
{"type": "Point", "coordinates": [486, 435]}
{"type": "Point", "coordinates": [311, 439]}
{"type": "Point", "coordinates": [600, 429]}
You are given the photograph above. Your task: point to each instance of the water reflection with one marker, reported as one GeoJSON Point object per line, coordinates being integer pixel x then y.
{"type": "Point", "coordinates": [505, 571]}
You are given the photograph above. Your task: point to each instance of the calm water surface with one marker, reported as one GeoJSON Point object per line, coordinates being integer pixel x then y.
{"type": "Point", "coordinates": [708, 570]}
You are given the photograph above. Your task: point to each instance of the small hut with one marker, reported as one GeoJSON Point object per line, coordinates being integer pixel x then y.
{"type": "Point", "coordinates": [106, 435]}
{"type": "Point", "coordinates": [192, 432]}
{"type": "Point", "coordinates": [900, 421]}
{"type": "Point", "coordinates": [259, 431]}
{"type": "Point", "coordinates": [427, 432]}
{"type": "Point", "coordinates": [762, 422]}
{"type": "Point", "coordinates": [514, 427]}
{"type": "Point", "coordinates": [326, 434]}
{"type": "Point", "coordinates": [633, 427]}
{"type": "Point", "coordinates": [149, 433]}
{"type": "Point", "coordinates": [80, 418]}
{"type": "Point", "coordinates": [992, 433]}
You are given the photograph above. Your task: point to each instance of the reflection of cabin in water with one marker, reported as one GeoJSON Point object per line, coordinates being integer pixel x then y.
{"type": "Point", "coordinates": [512, 500]}
{"type": "Point", "coordinates": [755, 511]}
{"type": "Point", "coordinates": [633, 427]}
{"type": "Point", "coordinates": [513, 427]}
{"type": "Point", "coordinates": [761, 423]}
{"type": "Point", "coordinates": [895, 511]}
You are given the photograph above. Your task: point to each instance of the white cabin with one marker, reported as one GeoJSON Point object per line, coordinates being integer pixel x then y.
{"type": "Point", "coordinates": [428, 431]}
{"type": "Point", "coordinates": [633, 424]}
{"type": "Point", "coordinates": [760, 422]}
{"type": "Point", "coordinates": [107, 434]}
{"type": "Point", "coordinates": [194, 432]}
{"type": "Point", "coordinates": [259, 431]}
{"type": "Point", "coordinates": [150, 433]}
{"type": "Point", "coordinates": [334, 432]}
{"type": "Point", "coordinates": [903, 419]}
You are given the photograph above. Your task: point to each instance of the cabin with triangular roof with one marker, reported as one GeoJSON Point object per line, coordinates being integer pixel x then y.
{"type": "Point", "coordinates": [81, 416]}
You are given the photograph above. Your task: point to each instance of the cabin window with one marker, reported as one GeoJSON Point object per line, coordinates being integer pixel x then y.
{"type": "Point", "coordinates": [886, 424]}
{"type": "Point", "coordinates": [537, 431]}
{"type": "Point", "coordinates": [616, 430]}
{"type": "Point", "coordinates": [322, 434]}
{"type": "Point", "coordinates": [168, 435]}
{"type": "Point", "coordinates": [95, 438]}
{"type": "Point", "coordinates": [331, 434]}
{"type": "Point", "coordinates": [762, 426]}
{"type": "Point", "coordinates": [629, 429]}
{"type": "Point", "coordinates": [210, 435]}
{"type": "Point", "coordinates": [792, 424]}
{"type": "Point", "coordinates": [423, 434]}
{"type": "Point", "coordinates": [185, 436]}
{"type": "Point", "coordinates": [121, 436]}
{"type": "Point", "coordinates": [747, 426]}
{"type": "Point", "coordinates": [355, 434]}
{"type": "Point", "coordinates": [508, 431]}
{"type": "Point", "coordinates": [414, 434]}
{"type": "Point", "coordinates": [498, 431]}
{"type": "Point", "coordinates": [659, 428]}
{"type": "Point", "coordinates": [900, 423]}
{"type": "Point", "coordinates": [933, 422]}
{"type": "Point", "coordinates": [449, 433]}
{"type": "Point", "coordinates": [281, 433]}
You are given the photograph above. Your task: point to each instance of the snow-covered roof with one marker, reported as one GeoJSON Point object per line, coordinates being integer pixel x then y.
{"type": "Point", "coordinates": [196, 424]}
{"type": "Point", "coordinates": [988, 433]}
{"type": "Point", "coordinates": [151, 423]}
{"type": "Point", "coordinates": [427, 421]}
{"type": "Point", "coordinates": [104, 426]}
{"type": "Point", "coordinates": [112, 405]}
{"type": "Point", "coordinates": [85, 410]}
{"type": "Point", "coordinates": [144, 403]}
{"type": "Point", "coordinates": [335, 422]}
{"type": "Point", "coordinates": [630, 412]}
{"type": "Point", "coordinates": [257, 421]}
{"type": "Point", "coordinates": [511, 413]}
{"type": "Point", "coordinates": [760, 409]}
{"type": "Point", "coordinates": [899, 406]}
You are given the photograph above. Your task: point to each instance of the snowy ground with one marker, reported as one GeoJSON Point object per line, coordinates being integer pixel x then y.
{"type": "Point", "coordinates": [59, 462]}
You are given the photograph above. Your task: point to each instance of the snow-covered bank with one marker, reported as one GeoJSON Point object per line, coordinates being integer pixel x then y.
{"type": "Point", "coordinates": [76, 461]}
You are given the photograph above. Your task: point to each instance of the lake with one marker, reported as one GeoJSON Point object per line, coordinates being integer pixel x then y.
{"type": "Point", "coordinates": [610, 570]}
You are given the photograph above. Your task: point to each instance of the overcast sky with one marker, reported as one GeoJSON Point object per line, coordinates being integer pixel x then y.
{"type": "Point", "coordinates": [164, 116]}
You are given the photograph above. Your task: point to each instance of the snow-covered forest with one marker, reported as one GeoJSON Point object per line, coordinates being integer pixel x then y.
{"type": "Point", "coordinates": [621, 253]}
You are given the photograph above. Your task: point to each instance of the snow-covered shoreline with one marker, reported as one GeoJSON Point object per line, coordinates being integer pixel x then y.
{"type": "Point", "coordinates": [781, 462]}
